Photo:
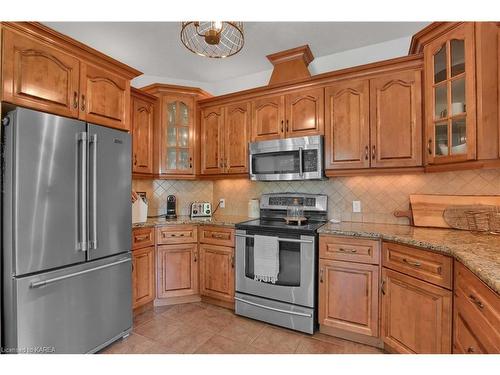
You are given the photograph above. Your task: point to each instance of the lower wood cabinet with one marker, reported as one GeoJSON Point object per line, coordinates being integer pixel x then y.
{"type": "Point", "coordinates": [143, 276]}
{"type": "Point", "coordinates": [177, 270]}
{"type": "Point", "coordinates": [349, 297]}
{"type": "Point", "coordinates": [217, 272]}
{"type": "Point", "coordinates": [416, 315]}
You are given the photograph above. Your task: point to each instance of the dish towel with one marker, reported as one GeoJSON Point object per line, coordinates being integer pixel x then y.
{"type": "Point", "coordinates": [266, 259]}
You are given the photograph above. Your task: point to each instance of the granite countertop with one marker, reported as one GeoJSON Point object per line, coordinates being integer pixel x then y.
{"type": "Point", "coordinates": [480, 252]}
{"type": "Point", "coordinates": [220, 220]}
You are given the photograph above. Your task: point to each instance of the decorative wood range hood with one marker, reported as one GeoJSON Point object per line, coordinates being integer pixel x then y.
{"type": "Point", "coordinates": [290, 65]}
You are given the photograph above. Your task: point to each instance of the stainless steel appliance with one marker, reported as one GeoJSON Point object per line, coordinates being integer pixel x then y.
{"type": "Point", "coordinates": [298, 158]}
{"type": "Point", "coordinates": [66, 234]}
{"type": "Point", "coordinates": [201, 209]}
{"type": "Point", "coordinates": [171, 207]}
{"type": "Point", "coordinates": [291, 301]}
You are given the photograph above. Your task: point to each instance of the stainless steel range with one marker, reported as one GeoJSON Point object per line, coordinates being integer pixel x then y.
{"type": "Point", "coordinates": [288, 300]}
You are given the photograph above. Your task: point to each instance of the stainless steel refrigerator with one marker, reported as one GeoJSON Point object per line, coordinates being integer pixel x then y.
{"type": "Point", "coordinates": [66, 226]}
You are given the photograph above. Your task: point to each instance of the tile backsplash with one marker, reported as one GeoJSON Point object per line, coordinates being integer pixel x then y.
{"type": "Point", "coordinates": [186, 192]}
{"type": "Point", "coordinates": [380, 196]}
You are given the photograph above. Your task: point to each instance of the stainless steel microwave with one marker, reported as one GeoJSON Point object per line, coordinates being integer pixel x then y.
{"type": "Point", "coordinates": [298, 158]}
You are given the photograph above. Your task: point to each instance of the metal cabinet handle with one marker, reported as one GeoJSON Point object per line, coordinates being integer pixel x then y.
{"type": "Point", "coordinates": [287, 126]}
{"type": "Point", "coordinates": [282, 126]}
{"type": "Point", "coordinates": [321, 275]}
{"type": "Point", "coordinates": [470, 349]}
{"type": "Point", "coordinates": [195, 257]}
{"type": "Point", "coordinates": [366, 152]}
{"type": "Point", "coordinates": [135, 159]}
{"type": "Point", "coordinates": [409, 262]}
{"type": "Point", "coordinates": [429, 146]}
{"type": "Point", "coordinates": [141, 238]}
{"type": "Point", "coordinates": [373, 152]}
{"type": "Point", "coordinates": [83, 102]}
{"type": "Point", "coordinates": [348, 250]}
{"type": "Point", "coordinates": [75, 100]}
{"type": "Point", "coordinates": [476, 301]}
{"type": "Point", "coordinates": [232, 261]}
{"type": "Point", "coordinates": [382, 287]}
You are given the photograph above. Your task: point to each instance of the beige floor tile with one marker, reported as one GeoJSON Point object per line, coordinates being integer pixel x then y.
{"type": "Point", "coordinates": [134, 344]}
{"type": "Point", "coordinates": [210, 318]}
{"type": "Point", "coordinates": [350, 347]}
{"type": "Point", "coordinates": [158, 328]}
{"type": "Point", "coordinates": [149, 314]}
{"type": "Point", "coordinates": [277, 340]}
{"type": "Point", "coordinates": [186, 340]}
{"type": "Point", "coordinates": [312, 346]}
{"type": "Point", "coordinates": [242, 329]}
{"type": "Point", "coordinates": [222, 345]}
{"type": "Point", "coordinates": [183, 312]}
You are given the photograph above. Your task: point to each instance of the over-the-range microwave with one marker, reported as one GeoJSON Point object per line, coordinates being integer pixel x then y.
{"type": "Point", "coordinates": [299, 158]}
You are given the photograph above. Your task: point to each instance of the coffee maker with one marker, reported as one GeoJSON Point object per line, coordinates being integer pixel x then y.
{"type": "Point", "coordinates": [171, 207]}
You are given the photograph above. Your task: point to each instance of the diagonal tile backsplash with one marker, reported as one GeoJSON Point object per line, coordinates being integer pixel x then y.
{"type": "Point", "coordinates": [380, 196]}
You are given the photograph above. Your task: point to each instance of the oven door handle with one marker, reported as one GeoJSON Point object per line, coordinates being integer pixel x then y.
{"type": "Point", "coordinates": [273, 308]}
{"type": "Point", "coordinates": [279, 239]}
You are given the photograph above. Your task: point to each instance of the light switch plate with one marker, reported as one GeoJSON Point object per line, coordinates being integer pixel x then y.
{"type": "Point", "coordinates": [356, 206]}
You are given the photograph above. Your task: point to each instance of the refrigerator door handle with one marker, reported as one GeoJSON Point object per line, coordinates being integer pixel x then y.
{"type": "Point", "coordinates": [38, 284]}
{"type": "Point", "coordinates": [93, 239]}
{"type": "Point", "coordinates": [82, 234]}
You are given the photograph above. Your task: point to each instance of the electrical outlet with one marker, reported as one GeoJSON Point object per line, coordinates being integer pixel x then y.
{"type": "Point", "coordinates": [222, 203]}
{"type": "Point", "coordinates": [356, 206]}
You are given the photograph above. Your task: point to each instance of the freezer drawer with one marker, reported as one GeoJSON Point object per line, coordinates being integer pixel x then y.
{"type": "Point", "coordinates": [75, 310]}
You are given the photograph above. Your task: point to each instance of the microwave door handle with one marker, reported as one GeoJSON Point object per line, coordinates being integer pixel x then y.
{"type": "Point", "coordinates": [301, 168]}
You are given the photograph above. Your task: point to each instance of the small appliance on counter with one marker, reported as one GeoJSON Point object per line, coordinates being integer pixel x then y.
{"type": "Point", "coordinates": [253, 208]}
{"type": "Point", "coordinates": [201, 209]}
{"type": "Point", "coordinates": [140, 210]}
{"type": "Point", "coordinates": [171, 207]}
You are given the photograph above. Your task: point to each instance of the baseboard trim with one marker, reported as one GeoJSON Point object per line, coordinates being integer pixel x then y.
{"type": "Point", "coordinates": [356, 337]}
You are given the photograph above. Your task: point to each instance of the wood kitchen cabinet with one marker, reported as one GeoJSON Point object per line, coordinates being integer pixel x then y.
{"type": "Point", "coordinates": [217, 272]}
{"type": "Point", "coordinates": [47, 71]}
{"type": "Point", "coordinates": [177, 270]}
{"type": "Point", "coordinates": [224, 139]}
{"type": "Point", "coordinates": [143, 276]}
{"type": "Point", "coordinates": [142, 123]}
{"type": "Point", "coordinates": [296, 114]}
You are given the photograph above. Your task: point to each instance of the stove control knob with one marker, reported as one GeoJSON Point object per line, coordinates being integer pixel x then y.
{"type": "Point", "coordinates": [195, 212]}
{"type": "Point", "coordinates": [207, 211]}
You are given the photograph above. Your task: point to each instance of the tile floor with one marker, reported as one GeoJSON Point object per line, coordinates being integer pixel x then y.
{"type": "Point", "coordinates": [206, 329]}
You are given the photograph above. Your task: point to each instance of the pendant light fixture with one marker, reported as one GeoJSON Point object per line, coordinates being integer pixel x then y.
{"type": "Point", "coordinates": [216, 39]}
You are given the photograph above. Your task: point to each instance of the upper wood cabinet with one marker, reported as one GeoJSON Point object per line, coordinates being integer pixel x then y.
{"type": "Point", "coordinates": [212, 135]}
{"type": "Point", "coordinates": [38, 75]}
{"type": "Point", "coordinates": [224, 139]}
{"type": "Point", "coordinates": [347, 130]}
{"type": "Point", "coordinates": [268, 118]}
{"type": "Point", "coordinates": [47, 71]}
{"type": "Point", "coordinates": [396, 120]}
{"type": "Point", "coordinates": [304, 113]}
{"type": "Point", "coordinates": [142, 121]}
{"type": "Point", "coordinates": [296, 114]}
{"type": "Point", "coordinates": [104, 98]}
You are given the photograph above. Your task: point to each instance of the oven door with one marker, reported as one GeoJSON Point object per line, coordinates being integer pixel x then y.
{"type": "Point", "coordinates": [287, 159]}
{"type": "Point", "coordinates": [297, 258]}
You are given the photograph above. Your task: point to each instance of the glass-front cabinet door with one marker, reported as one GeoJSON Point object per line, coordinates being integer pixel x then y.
{"type": "Point", "coordinates": [450, 96]}
{"type": "Point", "coordinates": [177, 135]}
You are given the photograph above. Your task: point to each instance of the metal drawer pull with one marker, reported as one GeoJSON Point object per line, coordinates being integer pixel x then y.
{"type": "Point", "coordinates": [470, 349]}
{"type": "Point", "coordinates": [141, 238]}
{"type": "Point", "coordinates": [414, 264]}
{"type": "Point", "coordinates": [273, 308]}
{"type": "Point", "coordinates": [279, 239]}
{"type": "Point", "coordinates": [38, 284]}
{"type": "Point", "coordinates": [476, 301]}
{"type": "Point", "coordinates": [217, 235]}
{"type": "Point", "coordinates": [348, 250]}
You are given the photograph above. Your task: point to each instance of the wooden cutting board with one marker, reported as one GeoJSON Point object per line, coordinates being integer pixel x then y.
{"type": "Point", "coordinates": [428, 210]}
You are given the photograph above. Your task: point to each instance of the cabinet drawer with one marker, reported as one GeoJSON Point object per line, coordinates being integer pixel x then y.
{"type": "Point", "coordinates": [215, 235]}
{"type": "Point", "coordinates": [142, 237]}
{"type": "Point", "coordinates": [176, 234]}
{"type": "Point", "coordinates": [483, 302]}
{"type": "Point", "coordinates": [425, 265]}
{"type": "Point", "coordinates": [349, 249]}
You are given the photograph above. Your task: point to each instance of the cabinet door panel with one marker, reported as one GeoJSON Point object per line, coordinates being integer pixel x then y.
{"type": "Point", "coordinates": [416, 316]}
{"type": "Point", "coordinates": [396, 120]}
{"type": "Point", "coordinates": [212, 159]}
{"type": "Point", "coordinates": [236, 129]}
{"type": "Point", "coordinates": [268, 118]}
{"type": "Point", "coordinates": [39, 76]}
{"type": "Point", "coordinates": [347, 132]}
{"type": "Point", "coordinates": [143, 290]}
{"type": "Point", "coordinates": [348, 297]}
{"type": "Point", "coordinates": [142, 135]}
{"type": "Point", "coordinates": [177, 270]}
{"type": "Point", "coordinates": [105, 98]}
{"type": "Point", "coordinates": [217, 272]}
{"type": "Point", "coordinates": [305, 113]}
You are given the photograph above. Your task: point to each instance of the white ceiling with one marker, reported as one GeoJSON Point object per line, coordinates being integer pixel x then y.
{"type": "Point", "coordinates": [155, 48]}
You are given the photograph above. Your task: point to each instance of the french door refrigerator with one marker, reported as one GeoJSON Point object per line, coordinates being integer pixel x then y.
{"type": "Point", "coordinates": [66, 234]}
